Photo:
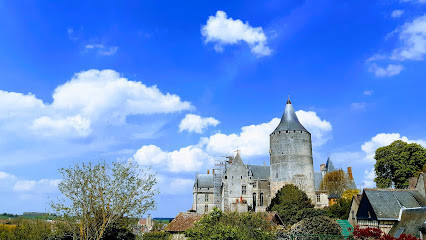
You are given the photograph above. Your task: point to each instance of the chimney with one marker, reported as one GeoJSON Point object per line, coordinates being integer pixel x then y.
{"type": "Point", "coordinates": [322, 167]}
{"type": "Point", "coordinates": [208, 171]}
{"type": "Point", "coordinates": [213, 171]}
{"type": "Point", "coordinates": [351, 177]}
{"type": "Point", "coordinates": [264, 164]}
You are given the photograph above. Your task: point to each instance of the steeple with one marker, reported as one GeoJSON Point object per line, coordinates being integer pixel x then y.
{"type": "Point", "coordinates": [289, 120]}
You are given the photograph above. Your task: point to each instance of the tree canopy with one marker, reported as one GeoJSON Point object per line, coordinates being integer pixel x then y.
{"type": "Point", "coordinates": [397, 163]}
{"type": "Point", "coordinates": [335, 182]}
{"type": "Point", "coordinates": [316, 225]}
{"type": "Point", "coordinates": [293, 205]}
{"type": "Point", "coordinates": [97, 196]}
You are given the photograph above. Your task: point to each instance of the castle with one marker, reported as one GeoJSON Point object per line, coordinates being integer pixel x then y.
{"type": "Point", "coordinates": [240, 187]}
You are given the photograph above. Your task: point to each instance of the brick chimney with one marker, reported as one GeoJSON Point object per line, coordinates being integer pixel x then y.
{"type": "Point", "coordinates": [351, 177]}
{"type": "Point", "coordinates": [322, 167]}
{"type": "Point", "coordinates": [208, 171]}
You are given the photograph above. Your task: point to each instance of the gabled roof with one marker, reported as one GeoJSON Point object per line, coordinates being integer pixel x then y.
{"type": "Point", "coordinates": [289, 120]}
{"type": "Point", "coordinates": [204, 181]}
{"type": "Point", "coordinates": [387, 203]}
{"type": "Point", "coordinates": [183, 221]}
{"type": "Point", "coordinates": [410, 222]}
{"type": "Point", "coordinates": [259, 171]}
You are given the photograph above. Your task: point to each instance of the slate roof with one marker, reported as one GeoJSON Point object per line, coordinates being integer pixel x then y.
{"type": "Point", "coordinates": [289, 120]}
{"type": "Point", "coordinates": [387, 203]}
{"type": "Point", "coordinates": [411, 222]}
{"type": "Point", "coordinates": [259, 171]}
{"type": "Point", "coordinates": [329, 165]}
{"type": "Point", "coordinates": [183, 221]}
{"type": "Point", "coordinates": [204, 181]}
{"type": "Point", "coordinates": [318, 179]}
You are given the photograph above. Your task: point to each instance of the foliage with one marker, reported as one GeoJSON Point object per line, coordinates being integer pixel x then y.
{"type": "Point", "coordinates": [293, 205]}
{"type": "Point", "coordinates": [95, 196]}
{"type": "Point", "coordinates": [316, 225]}
{"type": "Point", "coordinates": [375, 233]}
{"type": "Point", "coordinates": [335, 182]}
{"type": "Point", "coordinates": [156, 236]}
{"type": "Point", "coordinates": [341, 209]}
{"type": "Point", "coordinates": [230, 226]}
{"type": "Point", "coordinates": [350, 193]}
{"type": "Point", "coordinates": [28, 229]}
{"type": "Point", "coordinates": [118, 231]}
{"type": "Point", "coordinates": [397, 163]}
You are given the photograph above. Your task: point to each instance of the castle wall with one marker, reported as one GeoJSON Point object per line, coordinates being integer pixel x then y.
{"type": "Point", "coordinates": [291, 161]}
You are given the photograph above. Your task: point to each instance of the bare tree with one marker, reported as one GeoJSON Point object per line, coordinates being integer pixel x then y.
{"type": "Point", "coordinates": [97, 195]}
{"type": "Point", "coordinates": [335, 182]}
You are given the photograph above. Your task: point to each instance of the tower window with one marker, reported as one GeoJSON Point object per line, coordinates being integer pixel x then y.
{"type": "Point", "coordinates": [206, 208]}
{"type": "Point", "coordinates": [206, 198]}
{"type": "Point", "coordinates": [226, 177]}
{"type": "Point", "coordinates": [241, 177]}
{"type": "Point", "coordinates": [261, 199]}
{"type": "Point", "coordinates": [244, 190]}
{"type": "Point", "coordinates": [277, 175]}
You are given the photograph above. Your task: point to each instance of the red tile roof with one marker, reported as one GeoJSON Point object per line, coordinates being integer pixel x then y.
{"type": "Point", "coordinates": [183, 221]}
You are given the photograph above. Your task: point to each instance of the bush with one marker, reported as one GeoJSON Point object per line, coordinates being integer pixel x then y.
{"type": "Point", "coordinates": [341, 209]}
{"type": "Point", "coordinates": [316, 225]}
{"type": "Point", "coordinates": [230, 226]}
{"type": "Point", "coordinates": [377, 234]}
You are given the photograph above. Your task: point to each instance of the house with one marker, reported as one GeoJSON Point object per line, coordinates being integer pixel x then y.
{"type": "Point", "coordinates": [380, 208]}
{"type": "Point", "coordinates": [411, 221]}
{"type": "Point", "coordinates": [354, 209]}
{"type": "Point", "coordinates": [333, 198]}
{"type": "Point", "coordinates": [145, 224]}
{"type": "Point", "coordinates": [181, 222]}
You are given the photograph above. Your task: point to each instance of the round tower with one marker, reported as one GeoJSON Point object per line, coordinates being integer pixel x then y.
{"type": "Point", "coordinates": [291, 155]}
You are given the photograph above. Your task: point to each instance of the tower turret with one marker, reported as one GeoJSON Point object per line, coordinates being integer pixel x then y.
{"type": "Point", "coordinates": [291, 154]}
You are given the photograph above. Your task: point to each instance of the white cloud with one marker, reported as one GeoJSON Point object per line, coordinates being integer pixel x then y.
{"type": "Point", "coordinates": [384, 139]}
{"type": "Point", "coordinates": [397, 13]}
{"type": "Point", "coordinates": [389, 71]}
{"type": "Point", "coordinates": [88, 99]}
{"type": "Point", "coordinates": [186, 159]}
{"type": "Point", "coordinates": [415, 1]}
{"type": "Point", "coordinates": [41, 186]}
{"type": "Point", "coordinates": [368, 92]}
{"type": "Point", "coordinates": [174, 186]}
{"type": "Point", "coordinates": [102, 49]}
{"type": "Point", "coordinates": [222, 30]}
{"type": "Point", "coordinates": [413, 38]}
{"type": "Point", "coordinates": [320, 129]}
{"type": "Point", "coordinates": [195, 123]}
{"type": "Point", "coordinates": [369, 176]}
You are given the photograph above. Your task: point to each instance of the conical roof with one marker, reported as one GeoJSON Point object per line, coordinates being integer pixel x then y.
{"type": "Point", "coordinates": [289, 120]}
{"type": "Point", "coordinates": [329, 165]}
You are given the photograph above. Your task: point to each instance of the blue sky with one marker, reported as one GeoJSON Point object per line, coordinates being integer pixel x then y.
{"type": "Point", "coordinates": [176, 85]}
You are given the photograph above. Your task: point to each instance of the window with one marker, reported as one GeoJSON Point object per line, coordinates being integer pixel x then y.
{"type": "Point", "coordinates": [226, 177]}
{"type": "Point", "coordinates": [206, 198]}
{"type": "Point", "coordinates": [277, 175]}
{"type": "Point", "coordinates": [261, 199]}
{"type": "Point", "coordinates": [353, 214]}
{"type": "Point", "coordinates": [244, 190]}
{"type": "Point", "coordinates": [318, 198]}
{"type": "Point", "coordinates": [241, 177]}
{"type": "Point", "coordinates": [254, 199]}
{"type": "Point", "coordinates": [206, 208]}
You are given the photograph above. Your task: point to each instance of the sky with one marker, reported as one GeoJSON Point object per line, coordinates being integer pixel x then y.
{"type": "Point", "coordinates": [177, 85]}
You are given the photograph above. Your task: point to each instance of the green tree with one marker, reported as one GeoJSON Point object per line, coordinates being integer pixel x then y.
{"type": "Point", "coordinates": [316, 225]}
{"type": "Point", "coordinates": [341, 209]}
{"type": "Point", "coordinates": [397, 163]}
{"type": "Point", "coordinates": [95, 196]}
{"type": "Point", "coordinates": [335, 182]}
{"type": "Point", "coordinates": [293, 205]}
{"type": "Point", "coordinates": [231, 226]}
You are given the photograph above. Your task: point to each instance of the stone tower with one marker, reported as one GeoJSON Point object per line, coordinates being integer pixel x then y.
{"type": "Point", "coordinates": [291, 155]}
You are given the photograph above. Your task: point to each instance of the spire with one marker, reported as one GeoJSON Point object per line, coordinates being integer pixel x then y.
{"type": "Point", "coordinates": [289, 120]}
{"type": "Point", "coordinates": [329, 165]}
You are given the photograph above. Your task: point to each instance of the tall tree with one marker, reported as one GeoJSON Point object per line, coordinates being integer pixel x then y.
{"type": "Point", "coordinates": [335, 182]}
{"type": "Point", "coordinates": [96, 196]}
{"type": "Point", "coordinates": [293, 205]}
{"type": "Point", "coordinates": [397, 163]}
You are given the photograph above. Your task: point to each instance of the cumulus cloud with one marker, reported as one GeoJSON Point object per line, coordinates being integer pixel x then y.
{"type": "Point", "coordinates": [102, 49]}
{"type": "Point", "coordinates": [413, 38]}
{"type": "Point", "coordinates": [369, 176]}
{"type": "Point", "coordinates": [196, 123]}
{"type": "Point", "coordinates": [186, 159]}
{"type": "Point", "coordinates": [174, 186]}
{"type": "Point", "coordinates": [222, 30]}
{"type": "Point", "coordinates": [397, 13]}
{"type": "Point", "coordinates": [384, 139]}
{"type": "Point", "coordinates": [89, 98]}
{"type": "Point", "coordinates": [389, 71]}
{"type": "Point", "coordinates": [320, 129]}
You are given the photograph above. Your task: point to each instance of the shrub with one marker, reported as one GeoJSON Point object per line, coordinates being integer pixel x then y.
{"type": "Point", "coordinates": [316, 225]}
